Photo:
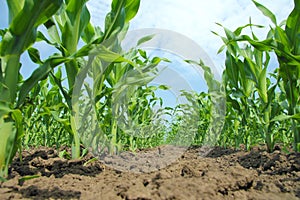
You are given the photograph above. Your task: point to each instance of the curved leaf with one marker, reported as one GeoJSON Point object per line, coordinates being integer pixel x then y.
{"type": "Point", "coordinates": [293, 28]}
{"type": "Point", "coordinates": [14, 7]}
{"type": "Point", "coordinates": [266, 12]}
{"type": "Point", "coordinates": [131, 9]}
{"type": "Point", "coordinates": [39, 74]}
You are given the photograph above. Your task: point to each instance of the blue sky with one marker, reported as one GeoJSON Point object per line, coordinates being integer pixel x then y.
{"type": "Point", "coordinates": [196, 18]}
{"type": "Point", "coordinates": [193, 18]}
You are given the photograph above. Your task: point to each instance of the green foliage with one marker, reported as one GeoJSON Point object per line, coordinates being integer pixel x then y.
{"type": "Point", "coordinates": [251, 93]}
{"type": "Point", "coordinates": [107, 102]}
{"type": "Point", "coordinates": [65, 28]}
{"type": "Point", "coordinates": [25, 17]}
{"type": "Point", "coordinates": [46, 116]}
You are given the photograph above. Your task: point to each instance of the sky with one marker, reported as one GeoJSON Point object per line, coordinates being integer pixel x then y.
{"type": "Point", "coordinates": [195, 19]}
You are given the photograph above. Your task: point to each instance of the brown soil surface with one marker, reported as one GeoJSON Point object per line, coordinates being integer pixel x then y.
{"type": "Point", "coordinates": [221, 174]}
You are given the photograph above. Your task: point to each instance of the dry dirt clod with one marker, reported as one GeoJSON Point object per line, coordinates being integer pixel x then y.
{"type": "Point", "coordinates": [221, 174]}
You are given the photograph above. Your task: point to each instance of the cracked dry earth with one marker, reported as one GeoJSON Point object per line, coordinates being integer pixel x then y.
{"type": "Point", "coordinates": [221, 174]}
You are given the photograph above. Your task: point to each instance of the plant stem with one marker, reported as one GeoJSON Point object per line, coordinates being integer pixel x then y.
{"type": "Point", "coordinates": [10, 65]}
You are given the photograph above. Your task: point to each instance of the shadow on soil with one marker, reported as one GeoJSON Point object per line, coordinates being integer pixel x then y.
{"type": "Point", "coordinates": [33, 192]}
{"type": "Point", "coordinates": [46, 162]}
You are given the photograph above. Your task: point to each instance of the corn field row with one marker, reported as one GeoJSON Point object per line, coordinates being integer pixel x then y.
{"type": "Point", "coordinates": [262, 106]}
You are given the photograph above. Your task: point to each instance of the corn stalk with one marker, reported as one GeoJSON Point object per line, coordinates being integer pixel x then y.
{"type": "Point", "coordinates": [71, 24]}
{"type": "Point", "coordinates": [24, 17]}
{"type": "Point", "coordinates": [286, 45]}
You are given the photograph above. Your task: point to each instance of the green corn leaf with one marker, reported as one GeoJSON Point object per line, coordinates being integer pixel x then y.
{"type": "Point", "coordinates": [215, 33]}
{"type": "Point", "coordinates": [265, 45]}
{"type": "Point", "coordinates": [269, 45]}
{"type": "Point", "coordinates": [221, 49]}
{"type": "Point", "coordinates": [238, 31]}
{"type": "Point", "coordinates": [258, 58]}
{"type": "Point", "coordinates": [271, 94]}
{"type": "Point", "coordinates": [250, 70]}
{"type": "Point", "coordinates": [286, 117]}
{"type": "Point", "coordinates": [21, 34]}
{"type": "Point", "coordinates": [84, 20]}
{"type": "Point", "coordinates": [5, 92]}
{"type": "Point", "coordinates": [143, 53]}
{"type": "Point", "coordinates": [122, 11]}
{"type": "Point", "coordinates": [2, 32]}
{"type": "Point", "coordinates": [26, 178]}
{"type": "Point", "coordinates": [89, 33]}
{"type": "Point", "coordinates": [58, 74]}
{"type": "Point", "coordinates": [72, 21]}
{"type": "Point", "coordinates": [42, 37]}
{"type": "Point", "coordinates": [18, 118]}
{"type": "Point", "coordinates": [14, 7]}
{"type": "Point", "coordinates": [57, 79]}
{"type": "Point", "coordinates": [73, 26]}
{"type": "Point", "coordinates": [232, 70]}
{"type": "Point", "coordinates": [131, 9]}
{"type": "Point", "coordinates": [266, 11]}
{"type": "Point", "coordinates": [6, 132]}
{"type": "Point", "coordinates": [6, 129]}
{"type": "Point", "coordinates": [102, 52]}
{"type": "Point", "coordinates": [250, 65]}
{"type": "Point", "coordinates": [52, 31]}
{"type": "Point", "coordinates": [64, 122]}
{"type": "Point", "coordinates": [262, 85]}
{"type": "Point", "coordinates": [39, 74]}
{"type": "Point", "coordinates": [47, 8]}
{"type": "Point", "coordinates": [282, 40]}
{"type": "Point", "coordinates": [164, 87]}
{"type": "Point", "coordinates": [34, 55]}
{"type": "Point", "coordinates": [293, 28]}
{"type": "Point", "coordinates": [33, 13]}
{"type": "Point", "coordinates": [115, 20]}
{"type": "Point", "coordinates": [11, 133]}
{"type": "Point", "coordinates": [229, 34]}
{"type": "Point", "coordinates": [145, 39]}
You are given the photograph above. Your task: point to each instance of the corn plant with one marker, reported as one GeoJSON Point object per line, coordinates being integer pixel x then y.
{"type": "Point", "coordinates": [117, 97]}
{"type": "Point", "coordinates": [245, 76]}
{"type": "Point", "coordinates": [73, 21]}
{"type": "Point", "coordinates": [71, 24]}
{"type": "Point", "coordinates": [24, 18]}
{"type": "Point", "coordinates": [46, 115]}
{"type": "Point", "coordinates": [195, 116]}
{"type": "Point", "coordinates": [285, 43]}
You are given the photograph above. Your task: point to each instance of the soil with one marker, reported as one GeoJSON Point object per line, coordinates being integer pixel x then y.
{"type": "Point", "coordinates": [219, 174]}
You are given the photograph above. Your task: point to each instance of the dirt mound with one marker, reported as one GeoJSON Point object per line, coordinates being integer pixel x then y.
{"type": "Point", "coordinates": [221, 174]}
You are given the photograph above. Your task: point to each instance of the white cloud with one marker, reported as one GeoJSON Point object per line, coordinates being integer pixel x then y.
{"type": "Point", "coordinates": [196, 19]}
{"type": "Point", "coordinates": [193, 18]}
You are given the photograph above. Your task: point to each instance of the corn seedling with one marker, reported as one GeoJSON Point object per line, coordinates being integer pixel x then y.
{"type": "Point", "coordinates": [66, 23]}
{"type": "Point", "coordinates": [245, 76]}
{"type": "Point", "coordinates": [24, 18]}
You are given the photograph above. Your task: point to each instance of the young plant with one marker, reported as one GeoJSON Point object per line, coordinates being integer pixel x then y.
{"type": "Point", "coordinates": [246, 69]}
{"type": "Point", "coordinates": [285, 43]}
{"type": "Point", "coordinates": [216, 102]}
{"type": "Point", "coordinates": [70, 25]}
{"type": "Point", "coordinates": [25, 17]}
{"type": "Point", "coordinates": [115, 100]}
{"type": "Point", "coordinates": [46, 115]}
